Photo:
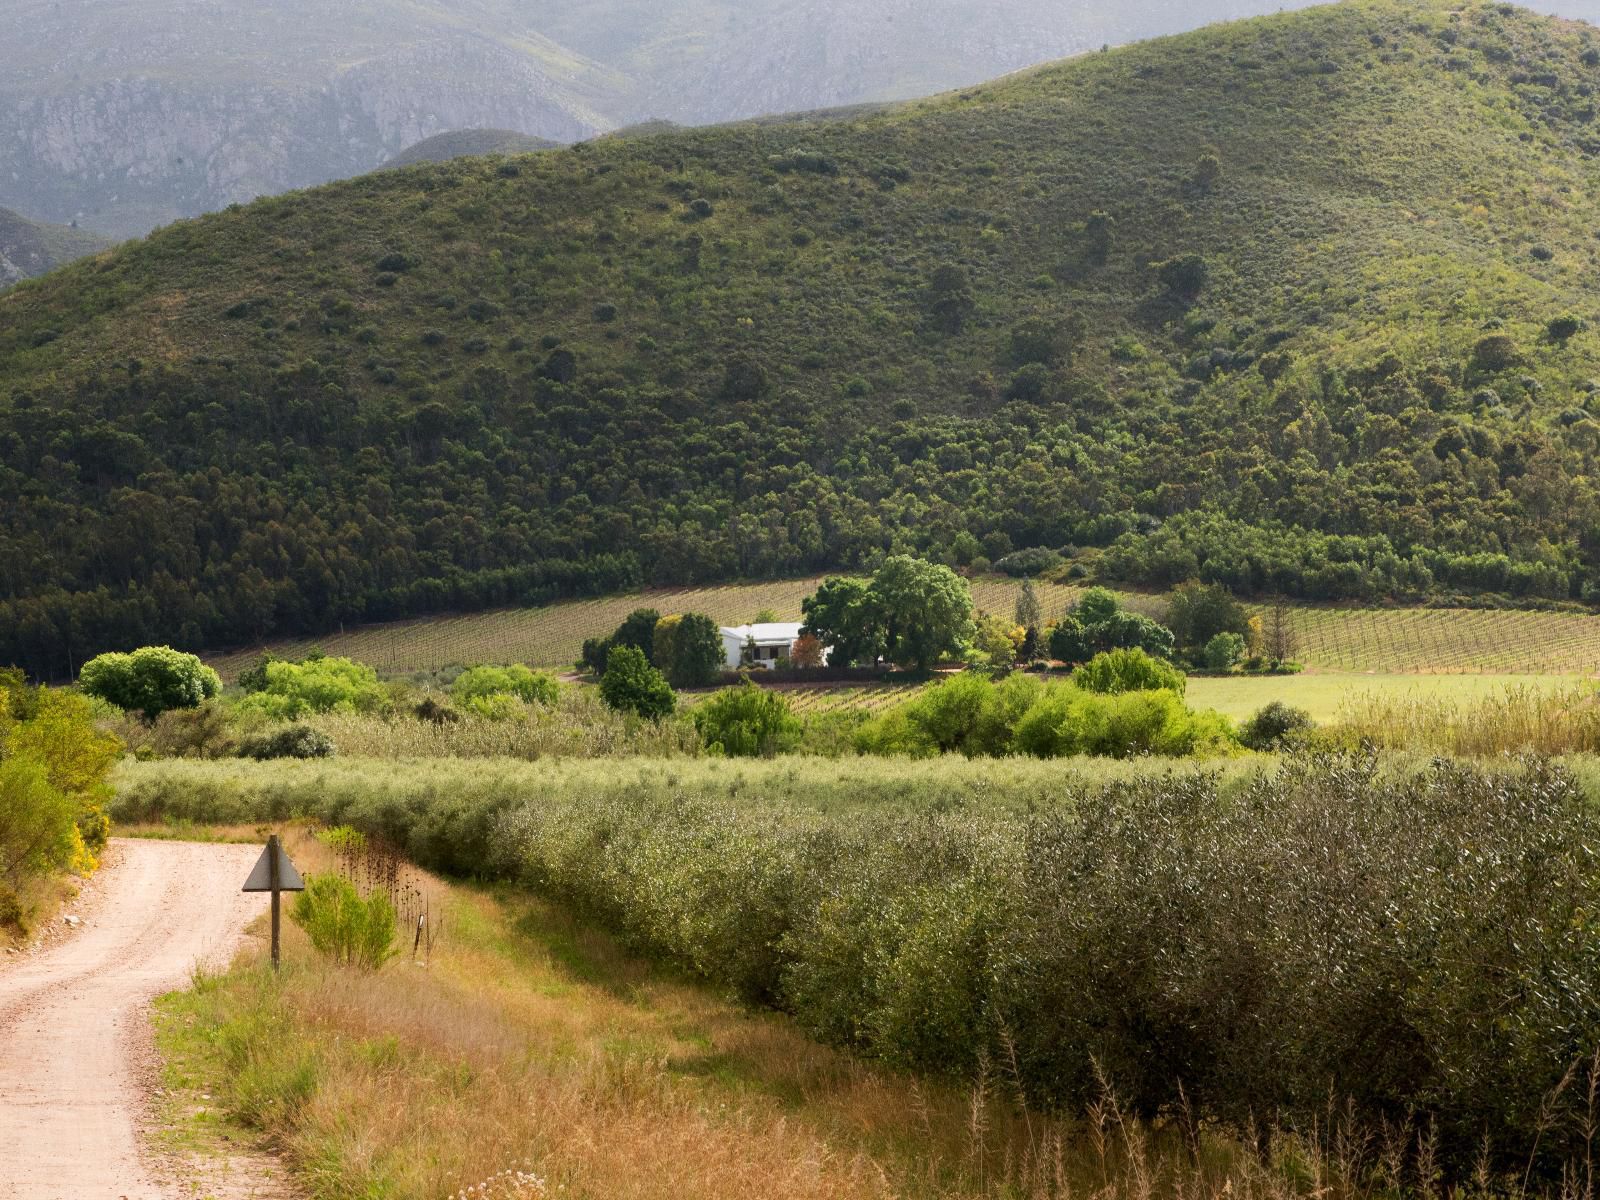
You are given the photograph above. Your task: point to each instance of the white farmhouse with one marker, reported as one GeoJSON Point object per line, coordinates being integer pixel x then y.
{"type": "Point", "coordinates": [766, 643]}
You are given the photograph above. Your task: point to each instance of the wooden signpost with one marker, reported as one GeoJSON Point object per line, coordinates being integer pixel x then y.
{"type": "Point", "coordinates": [274, 873]}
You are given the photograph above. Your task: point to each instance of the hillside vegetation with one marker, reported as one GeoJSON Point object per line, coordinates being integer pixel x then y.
{"type": "Point", "coordinates": [127, 116]}
{"type": "Point", "coordinates": [463, 143]}
{"type": "Point", "coordinates": [1342, 259]}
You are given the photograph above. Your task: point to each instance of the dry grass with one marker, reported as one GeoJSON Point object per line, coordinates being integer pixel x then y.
{"type": "Point", "coordinates": [532, 1044]}
{"type": "Point", "coordinates": [1519, 719]}
{"type": "Point", "coordinates": [579, 726]}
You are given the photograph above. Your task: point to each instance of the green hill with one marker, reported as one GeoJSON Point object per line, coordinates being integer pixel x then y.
{"type": "Point", "coordinates": [463, 143]}
{"type": "Point", "coordinates": [1301, 304]}
{"type": "Point", "coordinates": [29, 248]}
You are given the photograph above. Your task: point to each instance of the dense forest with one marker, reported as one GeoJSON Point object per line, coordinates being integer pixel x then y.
{"type": "Point", "coordinates": [1342, 260]}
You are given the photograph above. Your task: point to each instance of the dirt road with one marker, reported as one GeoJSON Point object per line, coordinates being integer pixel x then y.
{"type": "Point", "coordinates": [75, 1052]}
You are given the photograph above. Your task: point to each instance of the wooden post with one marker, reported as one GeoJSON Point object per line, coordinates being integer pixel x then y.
{"type": "Point", "coordinates": [274, 882]}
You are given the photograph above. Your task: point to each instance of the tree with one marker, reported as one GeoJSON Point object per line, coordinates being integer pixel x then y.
{"type": "Point", "coordinates": [1068, 642]}
{"type": "Point", "coordinates": [1027, 612]}
{"type": "Point", "coordinates": [663, 641]}
{"type": "Point", "coordinates": [697, 652]}
{"type": "Point", "coordinates": [926, 610]}
{"type": "Point", "coordinates": [806, 653]}
{"type": "Point", "coordinates": [632, 685]}
{"type": "Point", "coordinates": [150, 681]}
{"type": "Point", "coordinates": [747, 721]}
{"type": "Point", "coordinates": [1096, 606]}
{"type": "Point", "coordinates": [1281, 639]}
{"type": "Point", "coordinates": [842, 615]}
{"type": "Point", "coordinates": [1197, 612]}
{"type": "Point", "coordinates": [638, 628]}
{"type": "Point", "coordinates": [996, 642]}
{"type": "Point", "coordinates": [595, 652]}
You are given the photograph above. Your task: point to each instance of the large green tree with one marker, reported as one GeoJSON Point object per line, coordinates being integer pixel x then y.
{"type": "Point", "coordinates": [150, 681]}
{"type": "Point", "coordinates": [697, 652]}
{"type": "Point", "coordinates": [1197, 612]}
{"type": "Point", "coordinates": [843, 616]}
{"type": "Point", "coordinates": [926, 610]}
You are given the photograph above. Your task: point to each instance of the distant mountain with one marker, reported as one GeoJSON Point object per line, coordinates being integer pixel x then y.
{"type": "Point", "coordinates": [126, 116]}
{"type": "Point", "coordinates": [29, 248]}
{"type": "Point", "coordinates": [460, 143]}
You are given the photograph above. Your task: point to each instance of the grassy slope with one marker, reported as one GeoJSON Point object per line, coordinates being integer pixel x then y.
{"type": "Point", "coordinates": [1389, 185]}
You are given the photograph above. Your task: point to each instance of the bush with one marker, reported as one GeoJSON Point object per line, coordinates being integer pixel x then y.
{"type": "Point", "coordinates": [1021, 715]}
{"type": "Point", "coordinates": [1128, 671]}
{"type": "Point", "coordinates": [747, 721]}
{"type": "Point", "coordinates": [290, 741]}
{"type": "Point", "coordinates": [481, 683]}
{"type": "Point", "coordinates": [351, 931]}
{"type": "Point", "coordinates": [1274, 725]}
{"type": "Point", "coordinates": [38, 823]}
{"type": "Point", "coordinates": [150, 681]}
{"type": "Point", "coordinates": [316, 685]}
{"type": "Point", "coordinates": [1026, 563]}
{"type": "Point", "coordinates": [1223, 652]}
{"type": "Point", "coordinates": [632, 685]}
{"type": "Point", "coordinates": [1317, 931]}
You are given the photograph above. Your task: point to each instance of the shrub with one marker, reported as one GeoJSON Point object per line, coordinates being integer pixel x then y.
{"type": "Point", "coordinates": [479, 683]}
{"type": "Point", "coordinates": [290, 741]}
{"type": "Point", "coordinates": [1223, 652]}
{"type": "Point", "coordinates": [202, 732]}
{"type": "Point", "coordinates": [317, 685]}
{"type": "Point", "coordinates": [747, 721]}
{"type": "Point", "coordinates": [1564, 327]}
{"type": "Point", "coordinates": [351, 931]}
{"type": "Point", "coordinates": [1317, 930]}
{"type": "Point", "coordinates": [1185, 276]}
{"type": "Point", "coordinates": [150, 681]}
{"type": "Point", "coordinates": [1118, 671]}
{"type": "Point", "coordinates": [632, 685]}
{"type": "Point", "coordinates": [1274, 725]}
{"type": "Point", "coordinates": [38, 823]}
{"type": "Point", "coordinates": [1024, 563]}
{"type": "Point", "coordinates": [1494, 352]}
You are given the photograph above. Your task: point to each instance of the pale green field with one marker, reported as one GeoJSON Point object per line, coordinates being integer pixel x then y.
{"type": "Point", "coordinates": [1322, 695]}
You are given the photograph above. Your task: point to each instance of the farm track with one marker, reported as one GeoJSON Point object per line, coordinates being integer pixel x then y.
{"type": "Point", "coordinates": [76, 1061]}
